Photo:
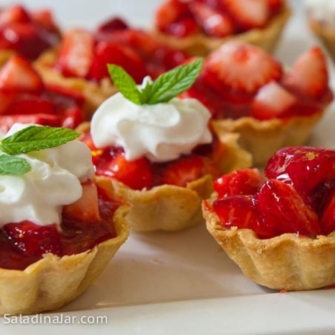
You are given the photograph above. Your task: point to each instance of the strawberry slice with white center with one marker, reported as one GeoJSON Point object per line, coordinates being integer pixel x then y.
{"type": "Point", "coordinates": [76, 53]}
{"type": "Point", "coordinates": [17, 75]}
{"type": "Point", "coordinates": [309, 75]}
{"type": "Point", "coordinates": [248, 13]}
{"type": "Point", "coordinates": [212, 22]}
{"type": "Point", "coordinates": [272, 101]}
{"type": "Point", "coordinates": [240, 68]}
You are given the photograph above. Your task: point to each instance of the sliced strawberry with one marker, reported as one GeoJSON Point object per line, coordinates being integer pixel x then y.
{"type": "Point", "coordinates": [183, 171]}
{"type": "Point", "coordinates": [45, 19]}
{"type": "Point", "coordinates": [34, 239]}
{"type": "Point", "coordinates": [87, 207]}
{"type": "Point", "coordinates": [6, 99]}
{"type": "Point", "coordinates": [327, 220]}
{"type": "Point", "coordinates": [272, 101]}
{"type": "Point", "coordinates": [17, 75]}
{"type": "Point", "coordinates": [6, 121]}
{"type": "Point", "coordinates": [122, 55]}
{"type": "Point", "coordinates": [309, 75]}
{"type": "Point", "coordinates": [184, 27]}
{"type": "Point", "coordinates": [249, 14]}
{"type": "Point", "coordinates": [76, 53]}
{"type": "Point", "coordinates": [136, 174]}
{"type": "Point", "coordinates": [59, 93]}
{"type": "Point", "coordinates": [113, 25]}
{"type": "Point", "coordinates": [72, 117]}
{"type": "Point", "coordinates": [240, 68]}
{"type": "Point", "coordinates": [240, 211]}
{"type": "Point", "coordinates": [305, 168]}
{"type": "Point", "coordinates": [169, 13]}
{"type": "Point", "coordinates": [13, 14]}
{"type": "Point", "coordinates": [280, 206]}
{"type": "Point", "coordinates": [32, 105]}
{"type": "Point", "coordinates": [275, 5]}
{"type": "Point", "coordinates": [213, 22]}
{"type": "Point", "coordinates": [239, 182]}
{"type": "Point", "coordinates": [96, 153]}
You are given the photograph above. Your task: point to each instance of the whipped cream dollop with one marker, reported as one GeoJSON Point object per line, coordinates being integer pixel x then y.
{"type": "Point", "coordinates": [160, 132]}
{"type": "Point", "coordinates": [53, 181]}
{"type": "Point", "coordinates": [322, 10]}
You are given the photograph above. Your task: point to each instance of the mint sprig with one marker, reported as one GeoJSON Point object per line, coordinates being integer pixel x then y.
{"type": "Point", "coordinates": [32, 138]}
{"type": "Point", "coordinates": [35, 138]}
{"type": "Point", "coordinates": [163, 89]}
{"type": "Point", "coordinates": [15, 166]}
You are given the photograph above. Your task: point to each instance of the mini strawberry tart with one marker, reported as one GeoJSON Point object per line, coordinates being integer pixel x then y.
{"type": "Point", "coordinates": [26, 98]}
{"type": "Point", "coordinates": [250, 93]}
{"type": "Point", "coordinates": [200, 26]}
{"type": "Point", "coordinates": [321, 19]}
{"type": "Point", "coordinates": [28, 33]}
{"type": "Point", "coordinates": [81, 60]}
{"type": "Point", "coordinates": [279, 229]}
{"type": "Point", "coordinates": [157, 152]}
{"type": "Point", "coordinates": [59, 228]}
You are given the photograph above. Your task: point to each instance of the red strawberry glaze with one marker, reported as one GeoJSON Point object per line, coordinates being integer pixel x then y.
{"type": "Point", "coordinates": [25, 243]}
{"type": "Point", "coordinates": [298, 197]}
{"type": "Point", "coordinates": [240, 80]}
{"type": "Point", "coordinates": [218, 18]}
{"type": "Point", "coordinates": [142, 174]}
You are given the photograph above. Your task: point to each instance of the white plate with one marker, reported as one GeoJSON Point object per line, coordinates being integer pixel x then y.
{"type": "Point", "coordinates": [183, 283]}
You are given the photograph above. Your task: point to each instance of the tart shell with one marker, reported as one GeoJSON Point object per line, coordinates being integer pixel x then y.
{"type": "Point", "coordinates": [286, 262]}
{"type": "Point", "coordinates": [54, 281]}
{"type": "Point", "coordinates": [201, 45]}
{"type": "Point", "coordinates": [173, 208]}
{"type": "Point", "coordinates": [263, 138]}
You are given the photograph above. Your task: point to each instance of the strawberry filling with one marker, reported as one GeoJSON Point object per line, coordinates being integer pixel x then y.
{"type": "Point", "coordinates": [240, 80]}
{"type": "Point", "coordinates": [26, 99]}
{"type": "Point", "coordinates": [84, 225]}
{"type": "Point", "coordinates": [217, 19]}
{"type": "Point", "coordinates": [85, 54]}
{"type": "Point", "coordinates": [142, 174]}
{"type": "Point", "coordinates": [27, 33]}
{"type": "Point", "coordinates": [297, 197]}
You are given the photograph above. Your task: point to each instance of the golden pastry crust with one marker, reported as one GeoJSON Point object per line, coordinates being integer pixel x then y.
{"type": "Point", "coordinates": [55, 281]}
{"type": "Point", "coordinates": [93, 93]}
{"type": "Point", "coordinates": [263, 138]}
{"type": "Point", "coordinates": [326, 34]}
{"type": "Point", "coordinates": [287, 262]}
{"type": "Point", "coordinates": [202, 45]}
{"type": "Point", "coordinates": [172, 208]}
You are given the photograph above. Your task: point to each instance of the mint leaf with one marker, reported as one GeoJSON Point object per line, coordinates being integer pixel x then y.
{"type": "Point", "coordinates": [36, 138]}
{"type": "Point", "coordinates": [170, 84]}
{"type": "Point", "coordinates": [14, 166]}
{"type": "Point", "coordinates": [124, 83]}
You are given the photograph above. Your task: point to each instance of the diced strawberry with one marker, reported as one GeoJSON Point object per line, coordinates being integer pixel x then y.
{"type": "Point", "coordinates": [240, 211]}
{"type": "Point", "coordinates": [239, 182]}
{"type": "Point", "coordinates": [34, 239]}
{"type": "Point", "coordinates": [17, 75]}
{"type": "Point", "coordinates": [76, 53]}
{"type": "Point", "coordinates": [280, 206]}
{"type": "Point", "coordinates": [327, 220]}
{"type": "Point", "coordinates": [45, 19]}
{"type": "Point", "coordinates": [72, 117]}
{"type": "Point", "coordinates": [6, 121]}
{"type": "Point", "coordinates": [13, 14]}
{"type": "Point", "coordinates": [169, 13]}
{"type": "Point", "coordinates": [87, 207]}
{"type": "Point", "coordinates": [96, 153]}
{"type": "Point", "coordinates": [6, 99]}
{"type": "Point", "coordinates": [31, 105]}
{"type": "Point", "coordinates": [183, 171]}
{"type": "Point", "coordinates": [248, 13]}
{"type": "Point", "coordinates": [240, 68]}
{"type": "Point", "coordinates": [136, 174]}
{"type": "Point", "coordinates": [184, 27]}
{"type": "Point", "coordinates": [122, 55]}
{"type": "Point", "coordinates": [272, 101]}
{"type": "Point", "coordinates": [113, 25]}
{"type": "Point", "coordinates": [213, 22]}
{"type": "Point", "coordinates": [305, 168]}
{"type": "Point", "coordinates": [309, 74]}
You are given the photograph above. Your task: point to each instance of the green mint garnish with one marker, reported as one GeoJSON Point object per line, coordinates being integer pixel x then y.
{"type": "Point", "coordinates": [14, 166]}
{"type": "Point", "coordinates": [163, 89]}
{"type": "Point", "coordinates": [32, 138]}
